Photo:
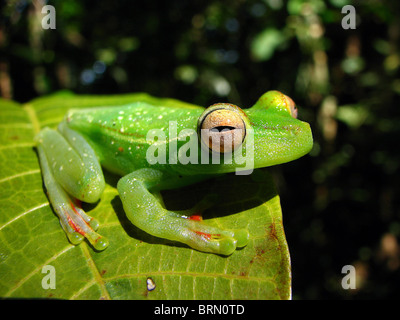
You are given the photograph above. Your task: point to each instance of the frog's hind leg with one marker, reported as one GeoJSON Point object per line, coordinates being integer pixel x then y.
{"type": "Point", "coordinates": [71, 172]}
{"type": "Point", "coordinates": [145, 211]}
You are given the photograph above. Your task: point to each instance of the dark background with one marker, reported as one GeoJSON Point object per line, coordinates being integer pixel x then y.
{"type": "Point", "coordinates": [340, 203]}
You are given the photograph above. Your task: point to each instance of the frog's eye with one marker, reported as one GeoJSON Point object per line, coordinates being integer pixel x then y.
{"type": "Point", "coordinates": [222, 128]}
{"type": "Point", "coordinates": [291, 106]}
{"type": "Point", "coordinates": [278, 101]}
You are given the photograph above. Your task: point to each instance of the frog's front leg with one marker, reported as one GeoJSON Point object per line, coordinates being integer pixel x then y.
{"type": "Point", "coordinates": [147, 213]}
{"type": "Point", "coordinates": [71, 172]}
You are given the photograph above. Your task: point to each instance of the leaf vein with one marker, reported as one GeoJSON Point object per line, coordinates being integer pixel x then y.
{"type": "Point", "coordinates": [190, 274]}
{"type": "Point", "coordinates": [20, 175]}
{"type": "Point", "coordinates": [97, 277]}
{"type": "Point", "coordinates": [35, 271]}
{"type": "Point", "coordinates": [19, 145]}
{"type": "Point", "coordinates": [33, 117]}
{"type": "Point", "coordinates": [23, 214]}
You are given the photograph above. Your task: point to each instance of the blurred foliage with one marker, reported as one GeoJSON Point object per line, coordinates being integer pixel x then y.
{"type": "Point", "coordinates": [341, 203]}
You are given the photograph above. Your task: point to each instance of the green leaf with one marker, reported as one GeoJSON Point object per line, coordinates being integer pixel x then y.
{"type": "Point", "coordinates": [31, 236]}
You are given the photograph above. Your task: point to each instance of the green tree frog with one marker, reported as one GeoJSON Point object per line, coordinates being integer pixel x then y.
{"type": "Point", "coordinates": [154, 147]}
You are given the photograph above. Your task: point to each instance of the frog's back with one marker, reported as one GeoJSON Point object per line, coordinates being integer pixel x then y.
{"type": "Point", "coordinates": [118, 134]}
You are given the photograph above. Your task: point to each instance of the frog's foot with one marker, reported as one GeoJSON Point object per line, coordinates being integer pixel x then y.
{"type": "Point", "coordinates": [75, 222]}
{"type": "Point", "coordinates": [211, 239]}
{"type": "Point", "coordinates": [203, 237]}
{"type": "Point", "coordinates": [78, 225]}
{"type": "Point", "coordinates": [145, 210]}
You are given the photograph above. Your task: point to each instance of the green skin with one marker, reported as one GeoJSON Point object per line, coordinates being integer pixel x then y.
{"type": "Point", "coordinates": [116, 138]}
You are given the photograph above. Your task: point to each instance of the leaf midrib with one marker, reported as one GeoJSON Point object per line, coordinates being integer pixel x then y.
{"type": "Point", "coordinates": [32, 117]}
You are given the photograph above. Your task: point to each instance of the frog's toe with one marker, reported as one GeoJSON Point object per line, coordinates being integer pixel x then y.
{"type": "Point", "coordinates": [242, 237]}
{"type": "Point", "coordinates": [78, 225]}
{"type": "Point", "coordinates": [225, 246]}
{"type": "Point", "coordinates": [217, 243]}
{"type": "Point", "coordinates": [74, 237]}
{"type": "Point", "coordinates": [215, 240]}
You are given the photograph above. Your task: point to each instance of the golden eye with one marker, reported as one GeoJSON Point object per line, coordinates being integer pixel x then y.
{"type": "Point", "coordinates": [275, 100]}
{"type": "Point", "coordinates": [291, 106]}
{"type": "Point", "coordinates": [222, 128]}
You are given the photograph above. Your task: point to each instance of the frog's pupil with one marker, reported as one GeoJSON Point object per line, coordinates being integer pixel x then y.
{"type": "Point", "coordinates": [221, 128]}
